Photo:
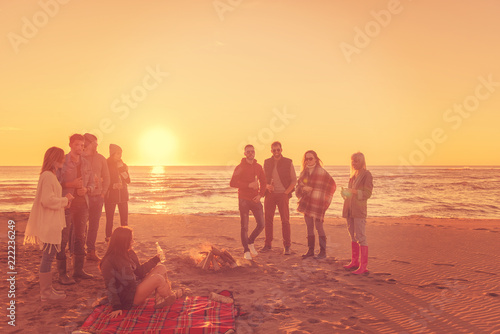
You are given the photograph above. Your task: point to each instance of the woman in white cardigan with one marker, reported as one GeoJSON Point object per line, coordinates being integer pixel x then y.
{"type": "Point", "coordinates": [47, 220]}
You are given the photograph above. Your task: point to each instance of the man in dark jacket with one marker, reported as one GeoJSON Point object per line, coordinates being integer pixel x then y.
{"type": "Point", "coordinates": [281, 180]}
{"type": "Point", "coordinates": [249, 178]}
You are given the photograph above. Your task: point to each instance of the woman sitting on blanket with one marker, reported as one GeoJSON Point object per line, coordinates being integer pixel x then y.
{"type": "Point", "coordinates": [128, 282]}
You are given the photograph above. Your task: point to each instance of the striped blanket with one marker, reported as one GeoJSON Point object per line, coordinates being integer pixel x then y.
{"type": "Point", "coordinates": [192, 315]}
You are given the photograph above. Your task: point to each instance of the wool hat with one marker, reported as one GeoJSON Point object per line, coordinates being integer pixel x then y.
{"type": "Point", "coordinates": [113, 148]}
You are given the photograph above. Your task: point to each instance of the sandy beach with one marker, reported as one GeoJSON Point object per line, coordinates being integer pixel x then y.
{"type": "Point", "coordinates": [426, 276]}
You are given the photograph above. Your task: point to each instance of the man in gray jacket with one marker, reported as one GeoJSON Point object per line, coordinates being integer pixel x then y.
{"type": "Point", "coordinates": [100, 173]}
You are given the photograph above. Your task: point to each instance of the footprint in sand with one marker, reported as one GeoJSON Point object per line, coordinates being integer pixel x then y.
{"type": "Point", "coordinates": [399, 261]}
{"type": "Point", "coordinates": [458, 279]}
{"type": "Point", "coordinates": [491, 294]}
{"type": "Point", "coordinates": [382, 274]}
{"type": "Point", "coordinates": [485, 272]}
{"type": "Point", "coordinates": [444, 264]}
{"type": "Point", "coordinates": [351, 321]}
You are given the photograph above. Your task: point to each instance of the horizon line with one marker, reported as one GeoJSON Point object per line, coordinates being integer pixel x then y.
{"type": "Point", "coordinates": [464, 166]}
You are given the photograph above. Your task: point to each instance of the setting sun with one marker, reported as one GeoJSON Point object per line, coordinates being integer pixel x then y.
{"type": "Point", "coordinates": [157, 147]}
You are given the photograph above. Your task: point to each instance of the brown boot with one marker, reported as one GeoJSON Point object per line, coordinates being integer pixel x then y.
{"type": "Point", "coordinates": [63, 276]}
{"type": "Point", "coordinates": [310, 244]}
{"type": "Point", "coordinates": [78, 268]}
{"type": "Point", "coordinates": [92, 256]}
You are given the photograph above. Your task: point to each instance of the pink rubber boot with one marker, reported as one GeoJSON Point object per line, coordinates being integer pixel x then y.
{"type": "Point", "coordinates": [364, 261]}
{"type": "Point", "coordinates": [355, 256]}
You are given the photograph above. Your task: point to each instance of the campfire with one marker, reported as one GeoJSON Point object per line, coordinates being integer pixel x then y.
{"type": "Point", "coordinates": [215, 259]}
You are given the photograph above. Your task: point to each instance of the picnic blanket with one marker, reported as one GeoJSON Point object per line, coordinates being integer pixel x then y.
{"type": "Point", "coordinates": [193, 315]}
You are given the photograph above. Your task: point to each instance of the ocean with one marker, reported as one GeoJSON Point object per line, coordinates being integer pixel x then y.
{"type": "Point", "coordinates": [434, 191]}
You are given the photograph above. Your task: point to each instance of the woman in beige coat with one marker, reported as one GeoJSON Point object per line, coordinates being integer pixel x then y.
{"type": "Point", "coordinates": [47, 220]}
{"type": "Point", "coordinates": [355, 197]}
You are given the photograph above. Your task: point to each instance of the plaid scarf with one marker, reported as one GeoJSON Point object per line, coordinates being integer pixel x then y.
{"type": "Point", "coordinates": [318, 200]}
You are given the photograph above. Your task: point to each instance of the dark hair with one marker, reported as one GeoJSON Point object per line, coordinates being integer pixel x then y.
{"type": "Point", "coordinates": [119, 243]}
{"type": "Point", "coordinates": [318, 160]}
{"type": "Point", "coordinates": [76, 137]}
{"type": "Point", "coordinates": [276, 143]}
{"type": "Point", "coordinates": [52, 155]}
{"type": "Point", "coordinates": [249, 145]}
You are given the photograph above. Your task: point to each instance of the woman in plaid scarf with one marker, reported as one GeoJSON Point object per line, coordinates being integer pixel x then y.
{"type": "Point", "coordinates": [315, 190]}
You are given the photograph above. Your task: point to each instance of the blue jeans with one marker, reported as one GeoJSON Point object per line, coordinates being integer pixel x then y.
{"type": "Point", "coordinates": [311, 222]}
{"type": "Point", "coordinates": [48, 254]}
{"type": "Point", "coordinates": [74, 232]}
{"type": "Point", "coordinates": [357, 230]}
{"type": "Point", "coordinates": [95, 211]}
{"type": "Point", "coordinates": [245, 207]}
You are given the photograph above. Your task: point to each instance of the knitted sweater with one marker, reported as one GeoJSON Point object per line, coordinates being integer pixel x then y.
{"type": "Point", "coordinates": [46, 219]}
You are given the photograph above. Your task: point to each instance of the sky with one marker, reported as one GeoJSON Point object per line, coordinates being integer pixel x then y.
{"type": "Point", "coordinates": [191, 82]}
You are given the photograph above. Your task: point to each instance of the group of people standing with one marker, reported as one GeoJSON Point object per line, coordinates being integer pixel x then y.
{"type": "Point", "coordinates": [314, 189]}
{"type": "Point", "coordinates": [71, 191]}
{"type": "Point", "coordinates": [73, 188]}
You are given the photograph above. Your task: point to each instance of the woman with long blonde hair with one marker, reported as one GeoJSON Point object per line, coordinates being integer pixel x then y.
{"type": "Point", "coordinates": [47, 220]}
{"type": "Point", "coordinates": [355, 211]}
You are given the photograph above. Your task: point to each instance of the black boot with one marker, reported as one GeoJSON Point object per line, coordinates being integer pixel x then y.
{"type": "Point", "coordinates": [63, 276]}
{"type": "Point", "coordinates": [322, 248]}
{"type": "Point", "coordinates": [78, 269]}
{"type": "Point", "coordinates": [310, 243]}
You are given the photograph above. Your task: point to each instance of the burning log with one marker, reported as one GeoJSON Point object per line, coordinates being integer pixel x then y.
{"type": "Point", "coordinates": [216, 259]}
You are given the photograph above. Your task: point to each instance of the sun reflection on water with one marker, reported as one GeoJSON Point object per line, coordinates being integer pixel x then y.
{"type": "Point", "coordinates": [156, 170]}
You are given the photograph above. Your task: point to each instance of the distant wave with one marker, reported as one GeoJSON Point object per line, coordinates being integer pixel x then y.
{"type": "Point", "coordinates": [18, 200]}
{"type": "Point", "coordinates": [430, 191]}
